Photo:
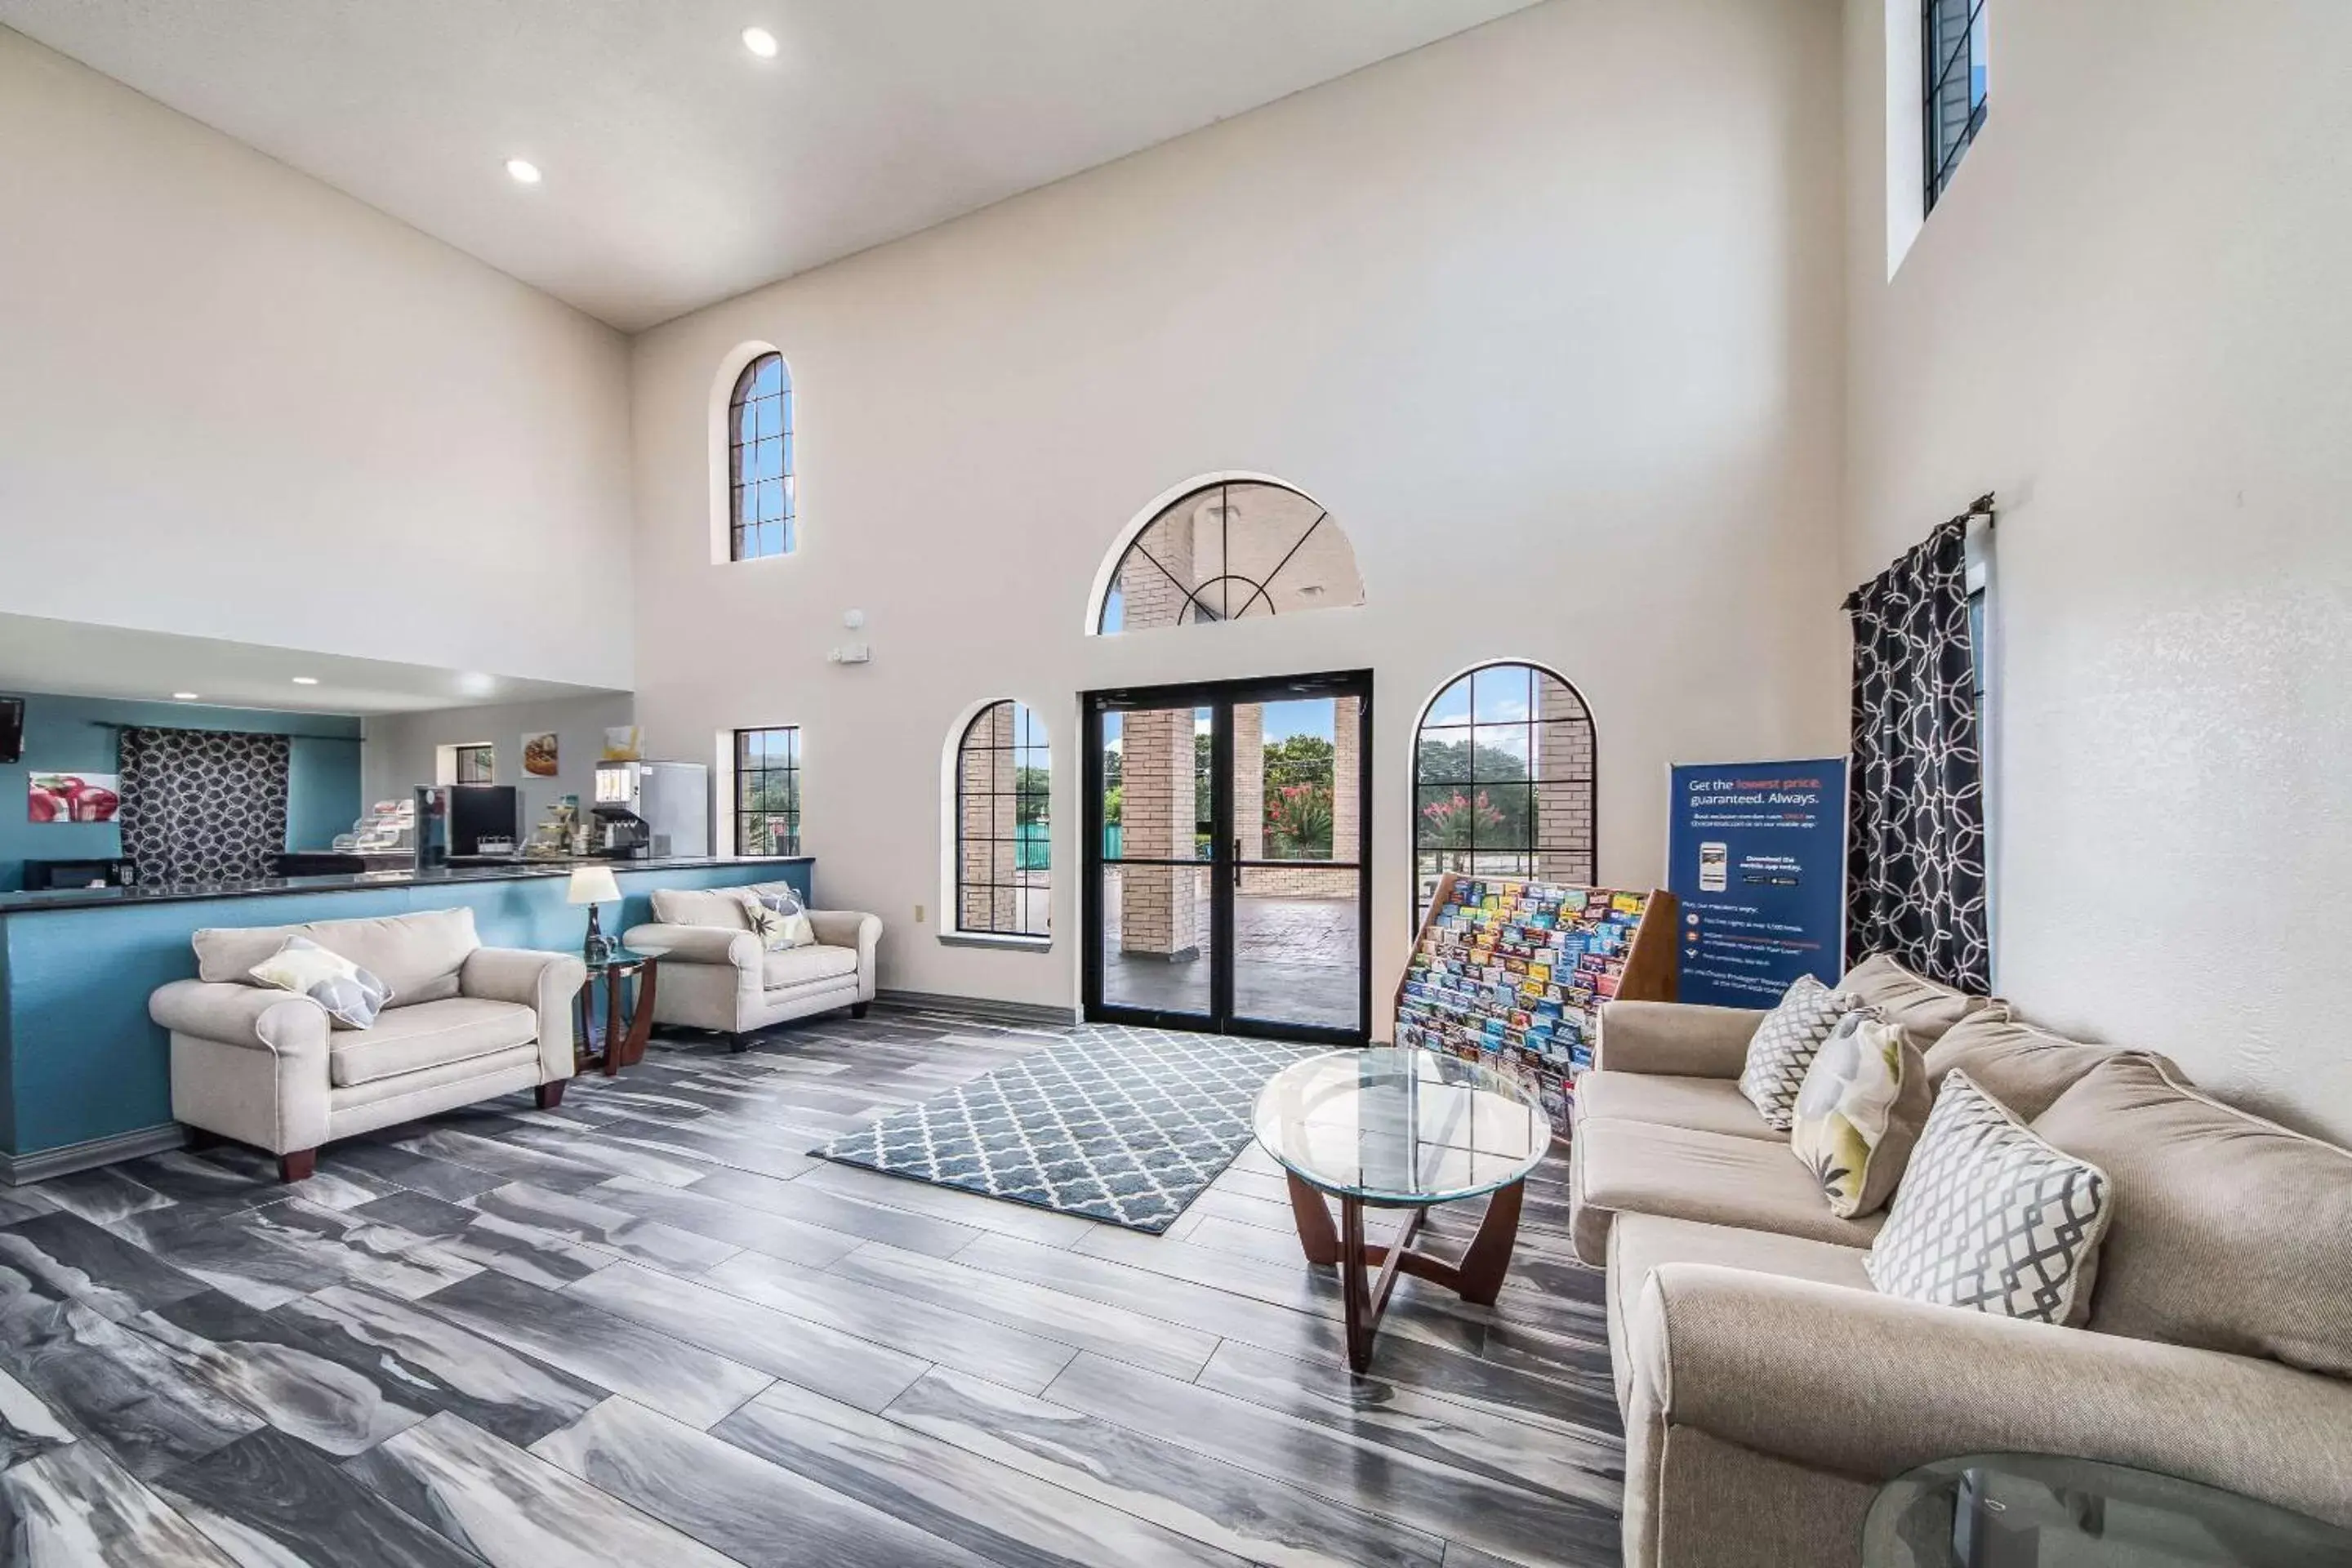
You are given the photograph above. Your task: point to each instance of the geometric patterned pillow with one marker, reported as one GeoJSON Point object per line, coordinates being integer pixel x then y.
{"type": "Point", "coordinates": [1785, 1044]}
{"type": "Point", "coordinates": [1991, 1219]}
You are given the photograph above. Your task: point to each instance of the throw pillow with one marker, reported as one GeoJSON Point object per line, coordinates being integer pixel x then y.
{"type": "Point", "coordinates": [1784, 1046]}
{"type": "Point", "coordinates": [1992, 1218]}
{"type": "Point", "coordinates": [1865, 1100]}
{"type": "Point", "coordinates": [776, 929]}
{"type": "Point", "coordinates": [352, 996]}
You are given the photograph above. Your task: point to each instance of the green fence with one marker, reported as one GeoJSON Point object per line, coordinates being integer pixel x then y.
{"type": "Point", "coordinates": [1037, 851]}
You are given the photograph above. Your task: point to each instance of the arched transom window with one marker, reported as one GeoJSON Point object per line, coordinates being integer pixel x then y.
{"type": "Point", "coordinates": [1227, 552]}
{"type": "Point", "coordinates": [1503, 780]}
{"type": "Point", "coordinates": [762, 515]}
{"type": "Point", "coordinates": [1003, 841]}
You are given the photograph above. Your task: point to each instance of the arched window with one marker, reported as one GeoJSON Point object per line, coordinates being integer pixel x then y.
{"type": "Point", "coordinates": [1503, 780]}
{"type": "Point", "coordinates": [761, 509]}
{"type": "Point", "coordinates": [1004, 842]}
{"type": "Point", "coordinates": [1227, 550]}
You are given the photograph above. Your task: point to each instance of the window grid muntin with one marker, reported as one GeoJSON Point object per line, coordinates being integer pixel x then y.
{"type": "Point", "coordinates": [763, 505]}
{"type": "Point", "coordinates": [1196, 608]}
{"type": "Point", "coordinates": [1542, 781]}
{"type": "Point", "coordinates": [1946, 135]}
{"type": "Point", "coordinates": [768, 790]}
{"type": "Point", "coordinates": [476, 765]}
{"type": "Point", "coordinates": [1031, 770]}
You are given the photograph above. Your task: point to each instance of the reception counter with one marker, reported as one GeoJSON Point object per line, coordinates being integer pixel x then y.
{"type": "Point", "coordinates": [85, 1076]}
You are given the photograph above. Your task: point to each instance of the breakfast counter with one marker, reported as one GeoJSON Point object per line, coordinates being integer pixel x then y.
{"type": "Point", "coordinates": [85, 1076]}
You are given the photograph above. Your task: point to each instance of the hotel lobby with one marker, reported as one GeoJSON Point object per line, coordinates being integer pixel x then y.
{"type": "Point", "coordinates": [1541, 783]}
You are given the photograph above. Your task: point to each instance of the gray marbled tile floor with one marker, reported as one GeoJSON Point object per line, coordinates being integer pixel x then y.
{"type": "Point", "coordinates": [648, 1329]}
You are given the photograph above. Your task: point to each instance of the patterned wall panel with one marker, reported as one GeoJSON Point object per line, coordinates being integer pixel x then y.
{"type": "Point", "coordinates": [201, 805]}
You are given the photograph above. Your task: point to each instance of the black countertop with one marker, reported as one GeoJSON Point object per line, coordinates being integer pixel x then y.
{"type": "Point", "coordinates": [354, 881]}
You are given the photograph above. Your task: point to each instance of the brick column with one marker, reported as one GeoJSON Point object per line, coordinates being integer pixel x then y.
{"type": "Point", "coordinates": [1156, 909]}
{"type": "Point", "coordinates": [1249, 779]}
{"type": "Point", "coordinates": [985, 768]}
{"type": "Point", "coordinates": [1346, 769]}
{"type": "Point", "coordinates": [1565, 851]}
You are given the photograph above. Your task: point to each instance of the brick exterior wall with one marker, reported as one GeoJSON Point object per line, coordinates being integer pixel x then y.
{"type": "Point", "coordinates": [985, 768]}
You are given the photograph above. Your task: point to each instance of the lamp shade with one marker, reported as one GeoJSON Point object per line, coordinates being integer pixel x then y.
{"type": "Point", "coordinates": [593, 885]}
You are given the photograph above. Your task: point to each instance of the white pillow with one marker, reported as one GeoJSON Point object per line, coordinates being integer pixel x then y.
{"type": "Point", "coordinates": [1992, 1218]}
{"type": "Point", "coordinates": [1783, 1047]}
{"type": "Point", "coordinates": [352, 996]}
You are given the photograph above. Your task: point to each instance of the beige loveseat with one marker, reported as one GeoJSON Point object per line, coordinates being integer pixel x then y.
{"type": "Point", "coordinates": [716, 974]}
{"type": "Point", "coordinates": [465, 1023]}
{"type": "Point", "coordinates": [1768, 1390]}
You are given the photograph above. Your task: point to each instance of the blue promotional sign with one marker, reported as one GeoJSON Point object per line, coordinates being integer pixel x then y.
{"type": "Point", "coordinates": [1755, 852]}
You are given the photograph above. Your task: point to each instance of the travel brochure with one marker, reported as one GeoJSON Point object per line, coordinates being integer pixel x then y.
{"type": "Point", "coordinates": [1512, 974]}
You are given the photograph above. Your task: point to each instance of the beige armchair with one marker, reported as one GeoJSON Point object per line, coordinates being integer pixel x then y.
{"type": "Point", "coordinates": [466, 1023]}
{"type": "Point", "coordinates": [715, 975]}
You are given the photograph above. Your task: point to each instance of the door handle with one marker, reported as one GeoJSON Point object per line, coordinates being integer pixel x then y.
{"type": "Point", "coordinates": [1237, 860]}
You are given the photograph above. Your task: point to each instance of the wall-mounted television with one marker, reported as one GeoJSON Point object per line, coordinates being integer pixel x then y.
{"type": "Point", "coordinates": [12, 730]}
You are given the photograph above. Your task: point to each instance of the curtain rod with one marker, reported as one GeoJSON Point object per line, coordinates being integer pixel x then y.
{"type": "Point", "coordinates": [206, 729]}
{"type": "Point", "coordinates": [1982, 507]}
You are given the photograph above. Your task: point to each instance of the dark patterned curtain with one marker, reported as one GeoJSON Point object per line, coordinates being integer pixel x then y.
{"type": "Point", "coordinates": [1915, 849]}
{"type": "Point", "coordinates": [203, 806]}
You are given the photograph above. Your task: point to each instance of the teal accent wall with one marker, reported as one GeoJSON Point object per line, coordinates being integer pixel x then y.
{"type": "Point", "coordinates": [79, 1059]}
{"type": "Point", "coordinates": [72, 734]}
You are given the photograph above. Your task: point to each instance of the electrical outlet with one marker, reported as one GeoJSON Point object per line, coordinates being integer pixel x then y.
{"type": "Point", "coordinates": [918, 914]}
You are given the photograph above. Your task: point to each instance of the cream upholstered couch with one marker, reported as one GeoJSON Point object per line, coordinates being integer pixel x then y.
{"type": "Point", "coordinates": [1768, 1390]}
{"type": "Point", "coordinates": [465, 1023]}
{"type": "Point", "coordinates": [715, 975]}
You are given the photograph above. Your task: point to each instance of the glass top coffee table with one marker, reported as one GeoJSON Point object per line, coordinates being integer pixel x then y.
{"type": "Point", "coordinates": [2040, 1511]}
{"type": "Point", "coordinates": [1400, 1129]}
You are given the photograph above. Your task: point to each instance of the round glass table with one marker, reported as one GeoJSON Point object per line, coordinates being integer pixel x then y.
{"type": "Point", "coordinates": [2040, 1511]}
{"type": "Point", "coordinates": [1406, 1129]}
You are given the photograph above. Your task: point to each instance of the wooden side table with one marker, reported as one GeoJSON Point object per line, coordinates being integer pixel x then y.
{"type": "Point", "coordinates": [622, 1041]}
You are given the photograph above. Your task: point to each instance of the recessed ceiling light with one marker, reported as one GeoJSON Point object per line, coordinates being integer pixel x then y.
{"type": "Point", "coordinates": [524, 171]}
{"type": "Point", "coordinates": [306, 680]}
{"type": "Point", "coordinates": [184, 696]}
{"type": "Point", "coordinates": [760, 42]}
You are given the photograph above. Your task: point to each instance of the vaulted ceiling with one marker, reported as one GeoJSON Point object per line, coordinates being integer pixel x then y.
{"type": "Point", "coordinates": [680, 168]}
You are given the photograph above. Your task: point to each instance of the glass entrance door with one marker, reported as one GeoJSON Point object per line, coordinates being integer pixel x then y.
{"type": "Point", "coordinates": [1228, 846]}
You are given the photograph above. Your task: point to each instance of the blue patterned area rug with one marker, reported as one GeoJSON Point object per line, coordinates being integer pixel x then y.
{"type": "Point", "coordinates": [1118, 1124]}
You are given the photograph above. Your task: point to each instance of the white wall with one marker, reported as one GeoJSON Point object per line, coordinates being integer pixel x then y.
{"type": "Point", "coordinates": [1548, 314]}
{"type": "Point", "coordinates": [398, 753]}
{"type": "Point", "coordinates": [236, 403]}
{"type": "Point", "coordinates": [2130, 316]}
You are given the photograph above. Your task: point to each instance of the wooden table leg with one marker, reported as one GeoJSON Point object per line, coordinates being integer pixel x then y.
{"type": "Point", "coordinates": [641, 1013]}
{"type": "Point", "coordinates": [1313, 1216]}
{"type": "Point", "coordinates": [613, 1037]}
{"type": "Point", "coordinates": [1483, 1266]}
{"type": "Point", "coordinates": [1355, 1288]}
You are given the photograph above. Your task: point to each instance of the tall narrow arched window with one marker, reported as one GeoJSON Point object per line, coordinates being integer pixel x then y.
{"type": "Point", "coordinates": [763, 512]}
{"type": "Point", "coordinates": [1003, 860]}
{"type": "Point", "coordinates": [1503, 780]}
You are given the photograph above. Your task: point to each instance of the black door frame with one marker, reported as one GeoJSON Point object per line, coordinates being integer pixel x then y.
{"type": "Point", "coordinates": [1220, 697]}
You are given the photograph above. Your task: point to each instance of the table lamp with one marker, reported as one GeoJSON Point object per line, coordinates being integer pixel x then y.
{"type": "Point", "coordinates": [593, 885]}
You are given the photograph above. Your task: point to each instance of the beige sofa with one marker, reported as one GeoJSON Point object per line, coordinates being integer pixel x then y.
{"type": "Point", "coordinates": [715, 975]}
{"type": "Point", "coordinates": [1768, 1390]}
{"type": "Point", "coordinates": [465, 1023]}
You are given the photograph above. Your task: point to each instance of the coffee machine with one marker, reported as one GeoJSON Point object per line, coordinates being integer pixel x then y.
{"type": "Point", "coordinates": [644, 809]}
{"type": "Point", "coordinates": [462, 823]}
